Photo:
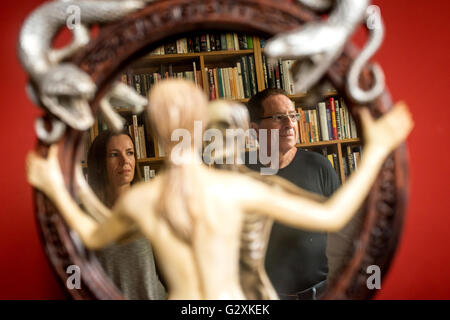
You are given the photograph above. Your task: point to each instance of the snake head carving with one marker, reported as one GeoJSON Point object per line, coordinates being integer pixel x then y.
{"type": "Point", "coordinates": [65, 92]}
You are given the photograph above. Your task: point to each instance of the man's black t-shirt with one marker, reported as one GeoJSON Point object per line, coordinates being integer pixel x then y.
{"type": "Point", "coordinates": [296, 259]}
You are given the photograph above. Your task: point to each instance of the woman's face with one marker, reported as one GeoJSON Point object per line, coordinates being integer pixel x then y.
{"type": "Point", "coordinates": [120, 161]}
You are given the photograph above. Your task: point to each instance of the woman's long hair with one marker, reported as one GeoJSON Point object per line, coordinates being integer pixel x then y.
{"type": "Point", "coordinates": [176, 104]}
{"type": "Point", "coordinates": [96, 162]}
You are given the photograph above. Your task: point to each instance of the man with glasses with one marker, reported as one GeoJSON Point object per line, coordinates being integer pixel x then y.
{"type": "Point", "coordinates": [296, 260]}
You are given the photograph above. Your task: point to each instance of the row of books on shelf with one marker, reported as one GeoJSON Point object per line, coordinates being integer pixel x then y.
{"type": "Point", "coordinates": [142, 144]}
{"type": "Point", "coordinates": [238, 82]}
{"type": "Point", "coordinates": [142, 82]}
{"type": "Point", "coordinates": [329, 120]}
{"type": "Point", "coordinates": [351, 159]}
{"type": "Point", "coordinates": [277, 75]}
{"type": "Point", "coordinates": [206, 42]}
{"type": "Point", "coordinates": [149, 173]}
{"type": "Point", "coordinates": [137, 133]}
{"type": "Point", "coordinates": [351, 156]}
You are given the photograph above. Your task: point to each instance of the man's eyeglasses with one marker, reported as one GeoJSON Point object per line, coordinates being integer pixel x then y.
{"type": "Point", "coordinates": [281, 117]}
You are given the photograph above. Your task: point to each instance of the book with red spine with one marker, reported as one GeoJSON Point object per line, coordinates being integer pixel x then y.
{"type": "Point", "coordinates": [333, 118]}
{"type": "Point", "coordinates": [212, 87]}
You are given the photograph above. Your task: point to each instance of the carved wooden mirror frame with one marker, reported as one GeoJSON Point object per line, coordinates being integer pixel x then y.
{"type": "Point", "coordinates": [120, 43]}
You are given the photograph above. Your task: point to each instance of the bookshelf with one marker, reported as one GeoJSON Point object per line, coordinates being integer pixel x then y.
{"type": "Point", "coordinates": [235, 68]}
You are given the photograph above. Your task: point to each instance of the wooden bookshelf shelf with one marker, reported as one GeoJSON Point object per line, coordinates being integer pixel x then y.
{"type": "Point", "coordinates": [209, 57]}
{"type": "Point", "coordinates": [151, 160]}
{"type": "Point", "coordinates": [327, 143]}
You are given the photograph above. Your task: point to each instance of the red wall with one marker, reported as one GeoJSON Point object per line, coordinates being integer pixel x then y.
{"type": "Point", "coordinates": [414, 58]}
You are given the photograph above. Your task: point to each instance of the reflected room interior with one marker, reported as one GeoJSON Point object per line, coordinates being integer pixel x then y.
{"type": "Point", "coordinates": [233, 67]}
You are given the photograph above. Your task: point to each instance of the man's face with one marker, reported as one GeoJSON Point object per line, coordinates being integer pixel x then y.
{"type": "Point", "coordinates": [280, 104]}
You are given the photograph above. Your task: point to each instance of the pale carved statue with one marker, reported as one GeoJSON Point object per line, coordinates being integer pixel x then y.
{"type": "Point", "coordinates": [193, 214]}
{"type": "Point", "coordinates": [256, 285]}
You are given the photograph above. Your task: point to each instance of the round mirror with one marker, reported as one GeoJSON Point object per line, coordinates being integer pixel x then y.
{"type": "Point", "coordinates": [219, 46]}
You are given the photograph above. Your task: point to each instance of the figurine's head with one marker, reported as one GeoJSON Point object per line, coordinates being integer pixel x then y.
{"type": "Point", "coordinates": [175, 104]}
{"type": "Point", "coordinates": [228, 116]}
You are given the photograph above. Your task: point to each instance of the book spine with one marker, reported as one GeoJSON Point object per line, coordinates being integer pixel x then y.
{"type": "Point", "coordinates": [197, 44]}
{"type": "Point", "coordinates": [142, 142]}
{"type": "Point", "coordinates": [249, 42]}
{"type": "Point", "coordinates": [246, 77]}
{"type": "Point", "coordinates": [203, 43]}
{"type": "Point", "coordinates": [220, 82]}
{"type": "Point", "coordinates": [212, 42]}
{"type": "Point", "coordinates": [190, 45]}
{"type": "Point", "coordinates": [242, 39]}
{"type": "Point", "coordinates": [194, 67]}
{"type": "Point", "coordinates": [318, 132]}
{"type": "Point", "coordinates": [230, 41]}
{"type": "Point", "coordinates": [305, 126]}
{"type": "Point", "coordinates": [336, 165]}
{"type": "Point", "coordinates": [253, 74]}
{"type": "Point", "coordinates": [338, 119]}
{"type": "Point", "coordinates": [314, 133]}
{"type": "Point", "coordinates": [136, 137]}
{"type": "Point", "coordinates": [333, 119]}
{"type": "Point", "coordinates": [212, 89]}
{"type": "Point", "coordinates": [161, 151]}
{"type": "Point", "coordinates": [351, 165]}
{"type": "Point", "coordinates": [236, 41]}
{"type": "Point", "coordinates": [330, 158]}
{"type": "Point", "coordinates": [216, 82]}
{"type": "Point", "coordinates": [323, 121]}
{"type": "Point", "coordinates": [230, 76]}
{"type": "Point", "coordinates": [264, 65]}
{"type": "Point", "coordinates": [137, 83]}
{"type": "Point", "coordinates": [357, 159]}
{"type": "Point", "coordinates": [289, 77]}
{"type": "Point", "coordinates": [179, 48]}
{"type": "Point", "coordinates": [276, 69]}
{"type": "Point", "coordinates": [240, 80]}
{"type": "Point", "coordinates": [345, 165]}
{"type": "Point", "coordinates": [218, 43]}
{"type": "Point", "coordinates": [226, 83]}
{"type": "Point", "coordinates": [146, 173]}
{"type": "Point", "coordinates": [347, 119]}
{"type": "Point", "coordinates": [281, 68]}
{"type": "Point", "coordinates": [185, 45]}
{"type": "Point", "coordinates": [271, 75]}
{"type": "Point", "coordinates": [341, 111]}
{"type": "Point", "coordinates": [223, 41]}
{"type": "Point", "coordinates": [208, 42]}
{"type": "Point", "coordinates": [262, 43]}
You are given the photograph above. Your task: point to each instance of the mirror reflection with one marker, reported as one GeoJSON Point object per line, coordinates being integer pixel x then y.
{"type": "Point", "coordinates": [319, 147]}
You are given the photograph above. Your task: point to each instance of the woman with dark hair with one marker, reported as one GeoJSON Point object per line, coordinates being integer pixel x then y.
{"type": "Point", "coordinates": [111, 165]}
{"type": "Point", "coordinates": [111, 172]}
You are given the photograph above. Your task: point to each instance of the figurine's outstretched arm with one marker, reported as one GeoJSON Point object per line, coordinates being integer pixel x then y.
{"type": "Point", "coordinates": [45, 175]}
{"type": "Point", "coordinates": [382, 137]}
{"type": "Point", "coordinates": [88, 198]}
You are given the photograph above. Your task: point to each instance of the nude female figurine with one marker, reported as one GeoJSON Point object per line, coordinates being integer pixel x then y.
{"type": "Point", "coordinates": [192, 214]}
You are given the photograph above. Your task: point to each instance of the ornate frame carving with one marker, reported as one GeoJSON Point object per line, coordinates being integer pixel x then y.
{"type": "Point", "coordinates": [120, 43]}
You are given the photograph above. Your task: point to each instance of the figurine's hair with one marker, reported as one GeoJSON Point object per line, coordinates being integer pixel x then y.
{"type": "Point", "coordinates": [176, 104]}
